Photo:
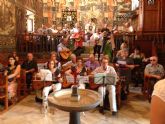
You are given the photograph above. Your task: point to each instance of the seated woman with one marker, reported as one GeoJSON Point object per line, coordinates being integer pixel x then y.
{"type": "Point", "coordinates": [123, 46]}
{"type": "Point", "coordinates": [124, 65]}
{"type": "Point", "coordinates": [78, 69]}
{"type": "Point", "coordinates": [56, 78]}
{"type": "Point", "coordinates": [12, 72]}
{"type": "Point", "coordinates": [138, 57]}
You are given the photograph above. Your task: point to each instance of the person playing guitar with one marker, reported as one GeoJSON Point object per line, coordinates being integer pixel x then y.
{"type": "Point", "coordinates": [63, 51]}
{"type": "Point", "coordinates": [78, 44]}
{"type": "Point", "coordinates": [78, 69]}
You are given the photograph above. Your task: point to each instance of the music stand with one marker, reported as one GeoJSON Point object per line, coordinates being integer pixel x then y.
{"type": "Point", "coordinates": [104, 79]}
{"type": "Point", "coordinates": [46, 75]}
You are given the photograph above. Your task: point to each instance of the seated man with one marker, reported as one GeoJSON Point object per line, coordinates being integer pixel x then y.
{"type": "Point", "coordinates": [105, 68]}
{"type": "Point", "coordinates": [154, 72]}
{"type": "Point", "coordinates": [91, 64]}
{"type": "Point", "coordinates": [30, 66]}
{"type": "Point", "coordinates": [63, 51]}
{"type": "Point", "coordinates": [70, 63]}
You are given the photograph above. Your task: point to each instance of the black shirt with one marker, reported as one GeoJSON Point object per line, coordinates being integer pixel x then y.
{"type": "Point", "coordinates": [27, 65]}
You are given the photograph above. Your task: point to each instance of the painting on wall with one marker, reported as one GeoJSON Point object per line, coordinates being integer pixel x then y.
{"type": "Point", "coordinates": [7, 18]}
{"type": "Point", "coordinates": [93, 9]}
{"type": "Point", "coordinates": [122, 12]}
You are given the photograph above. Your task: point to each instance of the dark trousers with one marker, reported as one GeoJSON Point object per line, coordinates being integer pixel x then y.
{"type": "Point", "coordinates": [97, 49]}
{"type": "Point", "coordinates": [78, 51]}
{"type": "Point", "coordinates": [29, 81]}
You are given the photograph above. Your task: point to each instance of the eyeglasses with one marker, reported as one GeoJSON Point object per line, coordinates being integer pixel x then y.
{"type": "Point", "coordinates": [11, 59]}
{"type": "Point", "coordinates": [152, 60]}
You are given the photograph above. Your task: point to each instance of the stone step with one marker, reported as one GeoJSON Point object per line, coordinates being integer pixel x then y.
{"type": "Point", "coordinates": [85, 56]}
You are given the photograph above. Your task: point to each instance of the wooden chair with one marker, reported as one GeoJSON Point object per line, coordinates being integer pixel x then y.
{"type": "Point", "coordinates": [118, 94]}
{"type": "Point", "coordinates": [4, 91]}
{"type": "Point", "coordinates": [148, 87]}
{"type": "Point", "coordinates": [22, 88]}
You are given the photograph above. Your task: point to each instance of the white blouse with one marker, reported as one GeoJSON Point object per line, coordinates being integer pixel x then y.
{"type": "Point", "coordinates": [159, 89]}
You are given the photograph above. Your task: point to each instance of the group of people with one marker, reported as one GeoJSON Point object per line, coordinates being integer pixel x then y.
{"type": "Point", "coordinates": [65, 63]}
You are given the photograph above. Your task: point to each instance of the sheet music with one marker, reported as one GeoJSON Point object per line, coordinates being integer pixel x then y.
{"type": "Point", "coordinates": [46, 75]}
{"type": "Point", "coordinates": [108, 78]}
{"type": "Point", "coordinates": [80, 79]}
{"type": "Point", "coordinates": [121, 62]}
{"type": "Point", "coordinates": [83, 79]}
{"type": "Point", "coordinates": [70, 79]}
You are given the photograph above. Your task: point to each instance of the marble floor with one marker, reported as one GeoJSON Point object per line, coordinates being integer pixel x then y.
{"type": "Point", "coordinates": [133, 111]}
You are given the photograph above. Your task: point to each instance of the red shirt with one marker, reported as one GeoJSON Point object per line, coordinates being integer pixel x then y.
{"type": "Point", "coordinates": [79, 38]}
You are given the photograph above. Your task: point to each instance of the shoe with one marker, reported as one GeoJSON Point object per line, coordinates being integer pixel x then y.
{"type": "Point", "coordinates": [114, 113]}
{"type": "Point", "coordinates": [101, 110]}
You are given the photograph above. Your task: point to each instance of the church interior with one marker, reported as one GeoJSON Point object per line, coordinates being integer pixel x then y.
{"type": "Point", "coordinates": [82, 61]}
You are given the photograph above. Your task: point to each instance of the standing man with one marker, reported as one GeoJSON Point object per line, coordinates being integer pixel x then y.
{"type": "Point", "coordinates": [30, 66]}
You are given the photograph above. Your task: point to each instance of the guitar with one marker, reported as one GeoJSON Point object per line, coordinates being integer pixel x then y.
{"type": "Point", "coordinates": [65, 54]}
{"type": "Point", "coordinates": [66, 84]}
{"type": "Point", "coordinates": [92, 85]}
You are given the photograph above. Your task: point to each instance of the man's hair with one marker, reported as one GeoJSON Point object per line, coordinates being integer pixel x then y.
{"type": "Point", "coordinates": [105, 57]}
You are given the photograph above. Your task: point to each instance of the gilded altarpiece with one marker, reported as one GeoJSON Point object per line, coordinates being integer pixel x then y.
{"type": "Point", "coordinates": [7, 24]}
{"type": "Point", "coordinates": [101, 10]}
{"type": "Point", "coordinates": [13, 20]}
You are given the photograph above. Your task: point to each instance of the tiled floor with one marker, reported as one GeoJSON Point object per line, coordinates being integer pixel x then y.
{"type": "Point", "coordinates": [133, 111]}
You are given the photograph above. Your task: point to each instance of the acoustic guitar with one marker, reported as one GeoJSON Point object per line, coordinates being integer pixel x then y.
{"type": "Point", "coordinates": [65, 54]}
{"type": "Point", "coordinates": [66, 84]}
{"type": "Point", "coordinates": [92, 85]}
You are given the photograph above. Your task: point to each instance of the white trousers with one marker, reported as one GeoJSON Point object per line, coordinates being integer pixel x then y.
{"type": "Point", "coordinates": [112, 96]}
{"type": "Point", "coordinates": [47, 89]}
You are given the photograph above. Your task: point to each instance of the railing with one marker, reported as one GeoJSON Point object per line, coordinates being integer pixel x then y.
{"type": "Point", "coordinates": [37, 43]}
{"type": "Point", "coordinates": [150, 43]}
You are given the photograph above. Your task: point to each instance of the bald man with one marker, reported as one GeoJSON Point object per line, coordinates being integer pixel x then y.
{"type": "Point", "coordinates": [30, 66]}
{"type": "Point", "coordinates": [154, 72]}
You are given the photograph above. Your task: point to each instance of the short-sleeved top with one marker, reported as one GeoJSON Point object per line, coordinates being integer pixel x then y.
{"type": "Point", "coordinates": [156, 70]}
{"type": "Point", "coordinates": [159, 90]}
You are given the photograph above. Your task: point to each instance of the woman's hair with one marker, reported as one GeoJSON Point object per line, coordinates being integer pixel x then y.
{"type": "Point", "coordinates": [50, 62]}
{"type": "Point", "coordinates": [123, 45]}
{"type": "Point", "coordinates": [15, 63]}
{"type": "Point", "coordinates": [53, 53]}
{"type": "Point", "coordinates": [137, 48]}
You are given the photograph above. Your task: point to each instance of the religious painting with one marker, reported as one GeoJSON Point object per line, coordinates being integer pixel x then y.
{"type": "Point", "coordinates": [7, 42]}
{"type": "Point", "coordinates": [93, 9]}
{"type": "Point", "coordinates": [122, 12]}
{"type": "Point", "coordinates": [7, 18]}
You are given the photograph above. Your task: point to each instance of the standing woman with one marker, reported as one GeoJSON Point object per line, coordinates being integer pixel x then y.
{"type": "Point", "coordinates": [12, 72]}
